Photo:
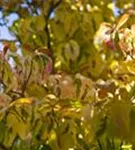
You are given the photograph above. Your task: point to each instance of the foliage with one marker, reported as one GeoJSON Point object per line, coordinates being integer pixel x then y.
{"type": "Point", "coordinates": [67, 80]}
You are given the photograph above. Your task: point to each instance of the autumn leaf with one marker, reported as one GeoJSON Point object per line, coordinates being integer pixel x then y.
{"type": "Point", "coordinates": [21, 101]}
{"type": "Point", "coordinates": [122, 21]}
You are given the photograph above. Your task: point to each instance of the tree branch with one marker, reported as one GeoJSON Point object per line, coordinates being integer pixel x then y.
{"type": "Point", "coordinates": [47, 17]}
{"type": "Point", "coordinates": [46, 29]}
{"type": "Point", "coordinates": [12, 40]}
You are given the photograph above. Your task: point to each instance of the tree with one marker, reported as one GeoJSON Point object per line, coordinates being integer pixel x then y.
{"type": "Point", "coordinates": [67, 80]}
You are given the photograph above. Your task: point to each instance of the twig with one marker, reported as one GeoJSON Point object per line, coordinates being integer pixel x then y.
{"type": "Point", "coordinates": [12, 40]}
{"type": "Point", "coordinates": [51, 10]}
{"type": "Point", "coordinates": [46, 29]}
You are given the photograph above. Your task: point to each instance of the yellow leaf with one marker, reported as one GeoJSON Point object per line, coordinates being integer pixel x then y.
{"type": "Point", "coordinates": [114, 65]}
{"type": "Point", "coordinates": [22, 101]}
{"type": "Point", "coordinates": [18, 126]}
{"type": "Point", "coordinates": [133, 29]}
{"type": "Point", "coordinates": [122, 21]}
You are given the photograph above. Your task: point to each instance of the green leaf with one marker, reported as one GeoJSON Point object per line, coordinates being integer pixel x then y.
{"type": "Point", "coordinates": [71, 50]}
{"type": "Point", "coordinates": [94, 65]}
{"type": "Point", "coordinates": [119, 125]}
{"type": "Point", "coordinates": [12, 47]}
{"type": "Point", "coordinates": [57, 30]}
{"type": "Point", "coordinates": [71, 22]}
{"type": "Point", "coordinates": [18, 126]}
{"type": "Point", "coordinates": [132, 124]}
{"type": "Point", "coordinates": [36, 90]}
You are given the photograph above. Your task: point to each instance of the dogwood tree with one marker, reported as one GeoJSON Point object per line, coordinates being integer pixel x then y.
{"type": "Point", "coordinates": [67, 79]}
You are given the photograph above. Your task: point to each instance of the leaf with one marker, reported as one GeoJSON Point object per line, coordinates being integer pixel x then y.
{"type": "Point", "coordinates": [133, 29]}
{"type": "Point", "coordinates": [97, 120]}
{"type": "Point", "coordinates": [71, 23]}
{"type": "Point", "coordinates": [132, 124]}
{"type": "Point", "coordinates": [35, 90]}
{"type": "Point", "coordinates": [49, 68]}
{"type": "Point", "coordinates": [21, 101]}
{"type": "Point", "coordinates": [58, 30]}
{"type": "Point", "coordinates": [99, 15]}
{"type": "Point", "coordinates": [122, 21]}
{"type": "Point", "coordinates": [71, 50]}
{"type": "Point", "coordinates": [38, 22]}
{"type": "Point", "coordinates": [9, 137]}
{"type": "Point", "coordinates": [3, 129]}
{"type": "Point", "coordinates": [102, 35]}
{"type": "Point", "coordinates": [12, 47]}
{"type": "Point", "coordinates": [102, 93]}
{"type": "Point", "coordinates": [5, 48]}
{"type": "Point", "coordinates": [119, 123]}
{"type": "Point", "coordinates": [67, 89]}
{"type": "Point", "coordinates": [64, 136]}
{"type": "Point", "coordinates": [94, 65]}
{"type": "Point", "coordinates": [18, 126]}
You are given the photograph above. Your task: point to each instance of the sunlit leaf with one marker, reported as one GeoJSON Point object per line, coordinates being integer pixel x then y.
{"type": "Point", "coordinates": [122, 21]}
{"type": "Point", "coordinates": [21, 101]}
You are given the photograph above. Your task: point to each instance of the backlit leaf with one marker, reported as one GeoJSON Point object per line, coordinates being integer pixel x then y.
{"type": "Point", "coordinates": [122, 21]}
{"type": "Point", "coordinates": [22, 101]}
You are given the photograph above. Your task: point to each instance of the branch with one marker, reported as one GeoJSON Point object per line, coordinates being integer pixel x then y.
{"type": "Point", "coordinates": [51, 10]}
{"type": "Point", "coordinates": [47, 17]}
{"type": "Point", "coordinates": [13, 40]}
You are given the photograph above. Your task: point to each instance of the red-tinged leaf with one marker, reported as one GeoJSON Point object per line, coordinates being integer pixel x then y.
{"type": "Point", "coordinates": [48, 68]}
{"type": "Point", "coordinates": [5, 48]}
